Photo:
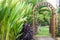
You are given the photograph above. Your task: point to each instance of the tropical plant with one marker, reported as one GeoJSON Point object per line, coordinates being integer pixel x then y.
{"type": "Point", "coordinates": [13, 13]}
{"type": "Point", "coordinates": [12, 16]}
{"type": "Point", "coordinates": [34, 2]}
{"type": "Point", "coordinates": [43, 15]}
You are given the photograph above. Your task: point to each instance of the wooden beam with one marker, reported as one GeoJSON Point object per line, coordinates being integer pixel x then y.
{"type": "Point", "coordinates": [34, 24]}
{"type": "Point", "coordinates": [53, 24]}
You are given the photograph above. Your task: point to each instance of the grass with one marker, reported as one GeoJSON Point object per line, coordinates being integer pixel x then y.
{"type": "Point", "coordinates": [43, 31]}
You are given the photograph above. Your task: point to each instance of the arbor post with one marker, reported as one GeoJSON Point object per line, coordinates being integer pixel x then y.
{"type": "Point", "coordinates": [34, 24]}
{"type": "Point", "coordinates": [53, 24]}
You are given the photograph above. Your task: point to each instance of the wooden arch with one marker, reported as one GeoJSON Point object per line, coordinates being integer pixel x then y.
{"type": "Point", "coordinates": [52, 16]}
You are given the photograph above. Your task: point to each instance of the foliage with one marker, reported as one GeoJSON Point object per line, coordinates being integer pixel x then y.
{"type": "Point", "coordinates": [13, 13]}
{"type": "Point", "coordinates": [34, 2]}
{"type": "Point", "coordinates": [12, 16]}
{"type": "Point", "coordinates": [43, 31]}
{"type": "Point", "coordinates": [43, 15]}
{"type": "Point", "coordinates": [58, 23]}
{"type": "Point", "coordinates": [58, 10]}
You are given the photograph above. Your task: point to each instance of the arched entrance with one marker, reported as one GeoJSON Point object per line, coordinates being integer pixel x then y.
{"type": "Point", "coordinates": [52, 16]}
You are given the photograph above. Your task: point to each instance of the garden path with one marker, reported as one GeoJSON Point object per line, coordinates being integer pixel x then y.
{"type": "Point", "coordinates": [44, 38]}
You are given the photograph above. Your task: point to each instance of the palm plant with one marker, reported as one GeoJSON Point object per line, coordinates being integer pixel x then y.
{"type": "Point", "coordinates": [12, 16]}
{"type": "Point", "coordinates": [44, 15]}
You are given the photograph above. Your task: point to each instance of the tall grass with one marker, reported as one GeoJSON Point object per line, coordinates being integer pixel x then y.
{"type": "Point", "coordinates": [12, 16]}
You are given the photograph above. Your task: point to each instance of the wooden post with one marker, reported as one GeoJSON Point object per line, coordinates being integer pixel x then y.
{"type": "Point", "coordinates": [50, 26]}
{"type": "Point", "coordinates": [34, 24]}
{"type": "Point", "coordinates": [53, 24]}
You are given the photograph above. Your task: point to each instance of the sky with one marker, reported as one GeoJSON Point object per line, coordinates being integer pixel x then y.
{"type": "Point", "coordinates": [53, 2]}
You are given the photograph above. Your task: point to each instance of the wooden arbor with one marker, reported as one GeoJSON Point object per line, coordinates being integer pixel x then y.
{"type": "Point", "coordinates": [52, 16]}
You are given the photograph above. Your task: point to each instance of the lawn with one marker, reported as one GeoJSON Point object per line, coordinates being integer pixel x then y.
{"type": "Point", "coordinates": [43, 31]}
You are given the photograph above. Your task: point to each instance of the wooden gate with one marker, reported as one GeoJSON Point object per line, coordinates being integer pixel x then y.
{"type": "Point", "coordinates": [53, 23]}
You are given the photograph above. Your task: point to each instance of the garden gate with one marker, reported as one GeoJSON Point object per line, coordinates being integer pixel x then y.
{"type": "Point", "coordinates": [53, 23]}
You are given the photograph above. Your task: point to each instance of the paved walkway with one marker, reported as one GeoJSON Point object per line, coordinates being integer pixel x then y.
{"type": "Point", "coordinates": [58, 38]}
{"type": "Point", "coordinates": [43, 38]}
